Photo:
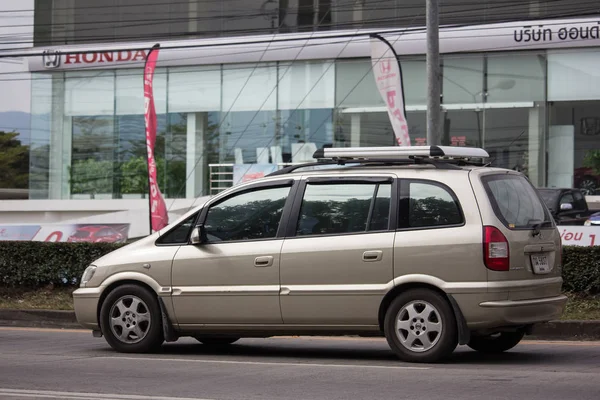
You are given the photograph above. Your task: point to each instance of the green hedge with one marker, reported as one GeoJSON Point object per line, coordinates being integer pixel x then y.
{"type": "Point", "coordinates": [581, 269]}
{"type": "Point", "coordinates": [38, 264]}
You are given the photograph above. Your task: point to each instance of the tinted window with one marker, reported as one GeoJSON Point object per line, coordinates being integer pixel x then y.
{"type": "Point", "coordinates": [344, 208]}
{"type": "Point", "coordinates": [431, 205]}
{"type": "Point", "coordinates": [247, 216]}
{"type": "Point", "coordinates": [515, 201]}
{"type": "Point", "coordinates": [179, 234]}
{"type": "Point", "coordinates": [567, 198]}
{"type": "Point", "coordinates": [549, 197]}
{"type": "Point", "coordinates": [580, 203]}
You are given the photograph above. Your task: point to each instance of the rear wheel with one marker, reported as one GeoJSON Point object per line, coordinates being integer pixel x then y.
{"type": "Point", "coordinates": [497, 343]}
{"type": "Point", "coordinates": [216, 341]}
{"type": "Point", "coordinates": [130, 320]}
{"type": "Point", "coordinates": [420, 326]}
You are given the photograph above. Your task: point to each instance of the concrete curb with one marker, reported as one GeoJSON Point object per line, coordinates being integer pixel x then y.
{"type": "Point", "coordinates": [554, 330]}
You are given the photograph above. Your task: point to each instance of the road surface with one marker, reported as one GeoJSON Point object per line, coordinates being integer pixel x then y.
{"type": "Point", "coordinates": [71, 364]}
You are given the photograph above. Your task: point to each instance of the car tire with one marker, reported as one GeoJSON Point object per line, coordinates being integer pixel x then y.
{"type": "Point", "coordinates": [495, 344]}
{"type": "Point", "coordinates": [216, 341]}
{"type": "Point", "coordinates": [130, 320]}
{"type": "Point", "coordinates": [420, 326]}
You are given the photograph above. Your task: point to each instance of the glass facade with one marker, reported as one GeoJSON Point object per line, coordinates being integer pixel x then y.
{"type": "Point", "coordinates": [60, 22]}
{"type": "Point", "coordinates": [536, 112]}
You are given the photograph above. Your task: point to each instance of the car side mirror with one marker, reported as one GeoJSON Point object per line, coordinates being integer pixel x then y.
{"type": "Point", "coordinates": [566, 207]}
{"type": "Point", "coordinates": [198, 235]}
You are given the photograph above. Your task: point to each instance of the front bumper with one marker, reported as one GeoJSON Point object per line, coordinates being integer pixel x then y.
{"type": "Point", "coordinates": [85, 301]}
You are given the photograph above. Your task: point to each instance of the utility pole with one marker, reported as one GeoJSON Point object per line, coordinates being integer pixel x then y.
{"type": "Point", "coordinates": [433, 73]}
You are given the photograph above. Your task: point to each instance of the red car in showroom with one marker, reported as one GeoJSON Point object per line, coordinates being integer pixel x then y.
{"type": "Point", "coordinates": [96, 234]}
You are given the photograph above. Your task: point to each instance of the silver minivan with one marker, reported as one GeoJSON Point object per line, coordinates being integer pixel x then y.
{"type": "Point", "coordinates": [425, 245]}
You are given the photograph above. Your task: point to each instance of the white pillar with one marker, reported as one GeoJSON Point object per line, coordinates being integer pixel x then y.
{"type": "Point", "coordinates": [355, 130]}
{"type": "Point", "coordinates": [536, 154]}
{"type": "Point", "coordinates": [195, 157]}
{"type": "Point", "coordinates": [58, 172]}
{"type": "Point", "coordinates": [561, 155]}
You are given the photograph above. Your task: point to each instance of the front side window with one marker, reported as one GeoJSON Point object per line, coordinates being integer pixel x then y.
{"type": "Point", "coordinates": [344, 208]}
{"type": "Point", "coordinates": [431, 205]}
{"type": "Point", "coordinates": [247, 216]}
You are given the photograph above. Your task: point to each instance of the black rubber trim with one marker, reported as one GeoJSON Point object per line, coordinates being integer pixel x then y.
{"type": "Point", "coordinates": [320, 153]}
{"type": "Point", "coordinates": [435, 151]}
{"type": "Point", "coordinates": [168, 331]}
{"type": "Point", "coordinates": [464, 334]}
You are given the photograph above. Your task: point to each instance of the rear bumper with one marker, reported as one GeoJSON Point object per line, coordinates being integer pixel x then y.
{"type": "Point", "coordinates": [489, 313]}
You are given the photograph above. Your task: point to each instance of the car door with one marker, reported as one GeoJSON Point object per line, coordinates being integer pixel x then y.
{"type": "Point", "coordinates": [336, 260]}
{"type": "Point", "coordinates": [233, 278]}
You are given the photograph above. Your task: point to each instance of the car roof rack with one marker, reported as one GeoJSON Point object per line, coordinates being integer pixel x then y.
{"type": "Point", "coordinates": [393, 152]}
{"type": "Point", "coordinates": [441, 157]}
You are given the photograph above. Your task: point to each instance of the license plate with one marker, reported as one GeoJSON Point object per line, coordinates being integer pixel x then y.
{"type": "Point", "coordinates": [540, 264]}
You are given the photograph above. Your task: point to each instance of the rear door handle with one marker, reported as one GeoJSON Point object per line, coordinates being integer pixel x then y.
{"type": "Point", "coordinates": [264, 261]}
{"type": "Point", "coordinates": [372, 255]}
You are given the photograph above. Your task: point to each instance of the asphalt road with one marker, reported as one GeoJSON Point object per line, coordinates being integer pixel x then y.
{"type": "Point", "coordinates": [61, 364]}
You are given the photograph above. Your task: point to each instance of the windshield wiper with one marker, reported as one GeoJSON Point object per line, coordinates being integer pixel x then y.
{"type": "Point", "coordinates": [536, 224]}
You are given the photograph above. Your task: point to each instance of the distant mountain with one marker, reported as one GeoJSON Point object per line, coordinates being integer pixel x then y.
{"type": "Point", "coordinates": [16, 121]}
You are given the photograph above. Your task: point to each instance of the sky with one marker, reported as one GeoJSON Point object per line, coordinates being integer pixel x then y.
{"type": "Point", "coordinates": [15, 87]}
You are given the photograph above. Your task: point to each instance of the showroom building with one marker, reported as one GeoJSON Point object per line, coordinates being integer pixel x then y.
{"type": "Point", "coordinates": [236, 107]}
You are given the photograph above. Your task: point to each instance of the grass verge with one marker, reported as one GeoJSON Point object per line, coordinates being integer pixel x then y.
{"type": "Point", "coordinates": [578, 307]}
{"type": "Point", "coordinates": [60, 298]}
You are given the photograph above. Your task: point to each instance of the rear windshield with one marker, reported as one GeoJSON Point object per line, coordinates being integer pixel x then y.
{"type": "Point", "coordinates": [515, 201]}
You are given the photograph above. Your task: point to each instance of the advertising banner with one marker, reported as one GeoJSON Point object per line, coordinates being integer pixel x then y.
{"type": "Point", "coordinates": [90, 233]}
{"type": "Point", "coordinates": [247, 172]}
{"type": "Point", "coordinates": [579, 235]}
{"type": "Point", "coordinates": [388, 77]}
{"type": "Point", "coordinates": [158, 209]}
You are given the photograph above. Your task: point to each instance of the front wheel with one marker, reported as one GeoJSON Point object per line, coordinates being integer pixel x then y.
{"type": "Point", "coordinates": [216, 341]}
{"type": "Point", "coordinates": [420, 326]}
{"type": "Point", "coordinates": [497, 343]}
{"type": "Point", "coordinates": [130, 320]}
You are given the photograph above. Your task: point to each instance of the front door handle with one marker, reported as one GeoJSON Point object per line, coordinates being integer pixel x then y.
{"type": "Point", "coordinates": [264, 261]}
{"type": "Point", "coordinates": [372, 255]}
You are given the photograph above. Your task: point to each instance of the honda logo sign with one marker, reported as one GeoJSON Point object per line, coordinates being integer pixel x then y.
{"type": "Point", "coordinates": [51, 59]}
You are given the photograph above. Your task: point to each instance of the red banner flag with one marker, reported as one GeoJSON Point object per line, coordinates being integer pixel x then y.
{"type": "Point", "coordinates": [158, 209]}
{"type": "Point", "coordinates": [388, 77]}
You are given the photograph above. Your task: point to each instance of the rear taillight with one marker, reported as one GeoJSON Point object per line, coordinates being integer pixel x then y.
{"type": "Point", "coordinates": [495, 249]}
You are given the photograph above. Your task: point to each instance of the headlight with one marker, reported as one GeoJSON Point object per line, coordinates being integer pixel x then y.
{"type": "Point", "coordinates": [87, 275]}
{"type": "Point", "coordinates": [587, 223]}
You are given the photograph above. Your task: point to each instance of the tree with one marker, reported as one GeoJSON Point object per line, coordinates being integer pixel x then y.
{"type": "Point", "coordinates": [14, 159]}
{"type": "Point", "coordinates": [592, 160]}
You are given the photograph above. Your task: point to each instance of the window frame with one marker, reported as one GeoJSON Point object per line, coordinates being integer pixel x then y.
{"type": "Point", "coordinates": [404, 210]}
{"type": "Point", "coordinates": [294, 216]}
{"type": "Point", "coordinates": [283, 223]}
{"type": "Point", "coordinates": [158, 242]}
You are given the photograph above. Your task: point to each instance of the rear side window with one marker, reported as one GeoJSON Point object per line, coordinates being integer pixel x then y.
{"type": "Point", "coordinates": [430, 205]}
{"type": "Point", "coordinates": [515, 201]}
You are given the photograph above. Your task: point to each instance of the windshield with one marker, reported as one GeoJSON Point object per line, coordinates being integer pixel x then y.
{"type": "Point", "coordinates": [549, 197]}
{"type": "Point", "coordinates": [515, 201]}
